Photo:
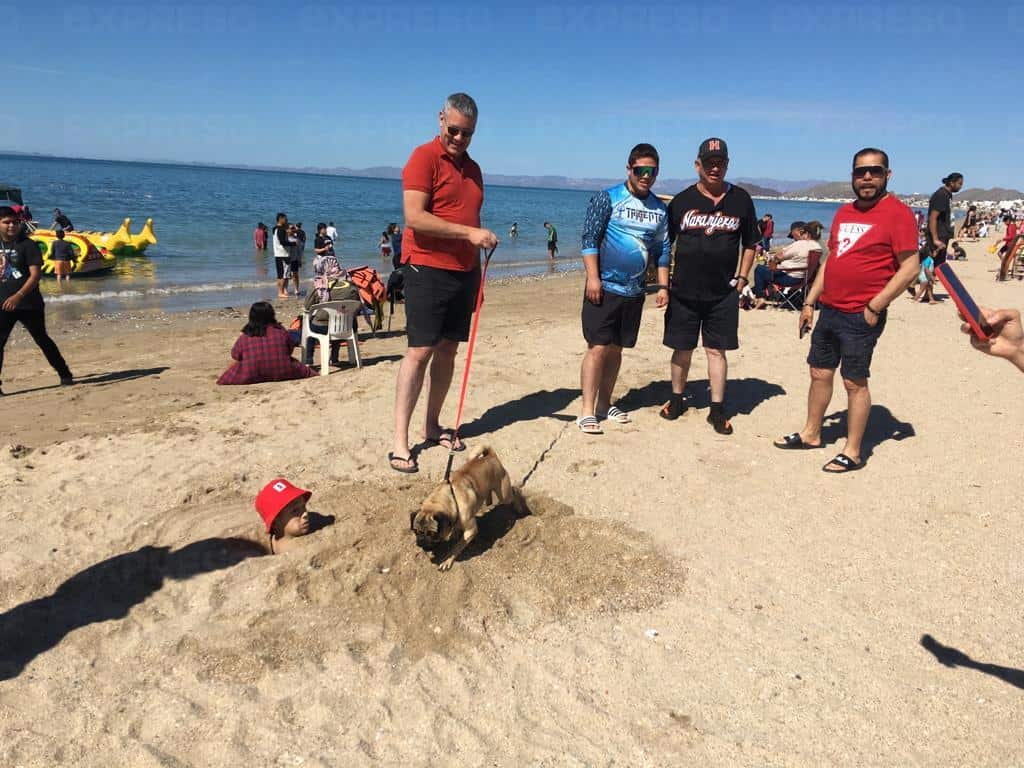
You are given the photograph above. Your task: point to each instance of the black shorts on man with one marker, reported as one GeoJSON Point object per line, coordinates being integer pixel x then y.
{"type": "Point", "coordinates": [439, 304]}
{"type": "Point", "coordinates": [716, 322]}
{"type": "Point", "coordinates": [616, 320]}
{"type": "Point", "coordinates": [844, 339]}
{"type": "Point", "coordinates": [280, 265]}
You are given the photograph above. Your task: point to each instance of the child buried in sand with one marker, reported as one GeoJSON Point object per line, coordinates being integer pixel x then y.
{"type": "Point", "coordinates": [283, 509]}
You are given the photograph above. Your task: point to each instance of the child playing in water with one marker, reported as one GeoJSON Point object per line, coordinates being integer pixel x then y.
{"type": "Point", "coordinates": [283, 509]}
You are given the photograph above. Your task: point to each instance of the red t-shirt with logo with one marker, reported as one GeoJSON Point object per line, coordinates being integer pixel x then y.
{"type": "Point", "coordinates": [456, 192]}
{"type": "Point", "coordinates": [862, 249]}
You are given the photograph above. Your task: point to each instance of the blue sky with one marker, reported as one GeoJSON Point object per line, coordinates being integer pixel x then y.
{"type": "Point", "coordinates": [793, 87]}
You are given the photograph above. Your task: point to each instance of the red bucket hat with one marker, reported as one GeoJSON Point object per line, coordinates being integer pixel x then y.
{"type": "Point", "coordinates": [275, 496]}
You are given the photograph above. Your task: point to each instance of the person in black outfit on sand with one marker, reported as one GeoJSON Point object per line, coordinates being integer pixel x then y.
{"type": "Point", "coordinates": [21, 264]}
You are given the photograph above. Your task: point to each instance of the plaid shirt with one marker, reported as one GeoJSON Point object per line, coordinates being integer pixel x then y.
{"type": "Point", "coordinates": [264, 358]}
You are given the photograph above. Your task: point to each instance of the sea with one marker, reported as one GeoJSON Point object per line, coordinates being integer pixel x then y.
{"type": "Point", "coordinates": [204, 219]}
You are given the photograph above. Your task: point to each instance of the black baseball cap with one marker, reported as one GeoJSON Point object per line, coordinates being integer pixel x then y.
{"type": "Point", "coordinates": [713, 148]}
{"type": "Point", "coordinates": [801, 225]}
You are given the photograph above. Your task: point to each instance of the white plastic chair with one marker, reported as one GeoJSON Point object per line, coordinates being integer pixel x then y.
{"type": "Point", "coordinates": [340, 325]}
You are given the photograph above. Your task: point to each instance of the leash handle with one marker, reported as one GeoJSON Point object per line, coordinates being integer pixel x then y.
{"type": "Point", "coordinates": [469, 360]}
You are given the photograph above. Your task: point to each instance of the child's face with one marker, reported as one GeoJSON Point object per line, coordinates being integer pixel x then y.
{"type": "Point", "coordinates": [296, 519]}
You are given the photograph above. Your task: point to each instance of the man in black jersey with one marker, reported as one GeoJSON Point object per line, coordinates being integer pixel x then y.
{"type": "Point", "coordinates": [708, 223]}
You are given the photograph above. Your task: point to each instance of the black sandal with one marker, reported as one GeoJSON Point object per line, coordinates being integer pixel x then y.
{"type": "Point", "coordinates": [844, 461]}
{"type": "Point", "coordinates": [721, 424]}
{"type": "Point", "coordinates": [794, 442]}
{"type": "Point", "coordinates": [672, 410]}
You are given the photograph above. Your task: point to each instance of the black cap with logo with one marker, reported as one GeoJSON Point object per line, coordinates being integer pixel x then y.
{"type": "Point", "coordinates": [713, 148]}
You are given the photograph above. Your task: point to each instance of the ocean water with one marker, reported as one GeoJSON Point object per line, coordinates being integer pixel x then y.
{"type": "Point", "coordinates": [204, 218]}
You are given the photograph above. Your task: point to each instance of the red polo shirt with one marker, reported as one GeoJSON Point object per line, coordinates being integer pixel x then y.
{"type": "Point", "coordinates": [456, 194]}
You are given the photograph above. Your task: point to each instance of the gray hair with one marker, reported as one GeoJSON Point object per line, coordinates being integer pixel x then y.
{"type": "Point", "coordinates": [462, 103]}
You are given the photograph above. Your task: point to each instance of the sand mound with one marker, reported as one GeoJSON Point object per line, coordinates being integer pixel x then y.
{"type": "Point", "coordinates": [360, 583]}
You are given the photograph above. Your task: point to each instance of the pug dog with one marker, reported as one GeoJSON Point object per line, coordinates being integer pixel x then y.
{"type": "Point", "coordinates": [454, 506]}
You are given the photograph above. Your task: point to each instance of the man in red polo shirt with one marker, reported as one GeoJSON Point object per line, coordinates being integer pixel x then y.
{"type": "Point", "coordinates": [442, 193]}
{"type": "Point", "coordinates": [870, 250]}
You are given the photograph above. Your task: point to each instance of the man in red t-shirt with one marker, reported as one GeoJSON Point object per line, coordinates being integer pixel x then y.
{"type": "Point", "coordinates": [869, 264]}
{"type": "Point", "coordinates": [442, 193]}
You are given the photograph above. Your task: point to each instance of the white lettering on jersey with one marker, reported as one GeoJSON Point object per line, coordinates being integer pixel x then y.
{"type": "Point", "coordinates": [849, 234]}
{"type": "Point", "coordinates": [709, 222]}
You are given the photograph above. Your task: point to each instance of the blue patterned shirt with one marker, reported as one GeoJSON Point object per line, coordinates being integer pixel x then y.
{"type": "Point", "coordinates": [625, 233]}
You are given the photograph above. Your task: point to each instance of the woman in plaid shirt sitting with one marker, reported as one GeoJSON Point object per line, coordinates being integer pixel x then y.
{"type": "Point", "coordinates": [264, 351]}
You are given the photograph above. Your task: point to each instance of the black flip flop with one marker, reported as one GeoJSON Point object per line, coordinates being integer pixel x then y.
{"type": "Point", "coordinates": [793, 442]}
{"type": "Point", "coordinates": [412, 468]}
{"type": "Point", "coordinates": [844, 461]}
{"type": "Point", "coordinates": [447, 435]}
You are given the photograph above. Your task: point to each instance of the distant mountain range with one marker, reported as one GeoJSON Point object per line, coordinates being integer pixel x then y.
{"type": "Point", "coordinates": [840, 190]}
{"type": "Point", "coordinates": [756, 186]}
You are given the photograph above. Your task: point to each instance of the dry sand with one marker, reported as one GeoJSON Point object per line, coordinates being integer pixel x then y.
{"type": "Point", "coordinates": [676, 597]}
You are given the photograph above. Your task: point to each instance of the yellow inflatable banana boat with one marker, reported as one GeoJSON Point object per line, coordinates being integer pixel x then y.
{"type": "Point", "coordinates": [119, 243]}
{"type": "Point", "coordinates": [87, 257]}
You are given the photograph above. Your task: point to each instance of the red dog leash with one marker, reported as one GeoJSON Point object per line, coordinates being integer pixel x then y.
{"type": "Point", "coordinates": [469, 360]}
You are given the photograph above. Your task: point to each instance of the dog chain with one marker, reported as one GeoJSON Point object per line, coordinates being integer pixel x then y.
{"type": "Point", "coordinates": [543, 455]}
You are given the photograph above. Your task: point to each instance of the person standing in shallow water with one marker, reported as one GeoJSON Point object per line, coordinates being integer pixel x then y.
{"type": "Point", "coordinates": [259, 237]}
{"type": "Point", "coordinates": [552, 239]}
{"type": "Point", "coordinates": [21, 264]}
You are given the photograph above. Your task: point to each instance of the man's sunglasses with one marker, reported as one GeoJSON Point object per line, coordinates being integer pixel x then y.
{"type": "Point", "coordinates": [877, 171]}
{"type": "Point", "coordinates": [454, 131]}
{"type": "Point", "coordinates": [645, 171]}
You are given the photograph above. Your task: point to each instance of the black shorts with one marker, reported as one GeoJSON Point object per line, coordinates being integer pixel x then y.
{"type": "Point", "coordinates": [844, 338]}
{"type": "Point", "coordinates": [279, 265]}
{"type": "Point", "coordinates": [552, 245]}
{"type": "Point", "coordinates": [439, 304]}
{"type": "Point", "coordinates": [715, 321]}
{"type": "Point", "coordinates": [616, 320]}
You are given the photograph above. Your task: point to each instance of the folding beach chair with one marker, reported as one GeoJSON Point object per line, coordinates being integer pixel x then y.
{"type": "Point", "coordinates": [1017, 261]}
{"type": "Point", "coordinates": [792, 296]}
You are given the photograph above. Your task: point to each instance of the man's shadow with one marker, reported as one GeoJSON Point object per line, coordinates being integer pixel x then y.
{"type": "Point", "coordinates": [951, 657]}
{"type": "Point", "coordinates": [103, 378]}
{"type": "Point", "coordinates": [536, 405]}
{"type": "Point", "coordinates": [106, 591]}
{"type": "Point", "coordinates": [742, 395]}
{"type": "Point", "coordinates": [882, 426]}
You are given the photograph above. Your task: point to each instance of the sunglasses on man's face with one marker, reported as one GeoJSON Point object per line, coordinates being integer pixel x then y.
{"type": "Point", "coordinates": [645, 171]}
{"type": "Point", "coordinates": [876, 171]}
{"type": "Point", "coordinates": [454, 131]}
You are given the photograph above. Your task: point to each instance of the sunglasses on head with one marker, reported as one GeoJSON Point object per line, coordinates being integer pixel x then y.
{"type": "Point", "coordinates": [645, 171]}
{"type": "Point", "coordinates": [876, 171]}
{"type": "Point", "coordinates": [454, 131]}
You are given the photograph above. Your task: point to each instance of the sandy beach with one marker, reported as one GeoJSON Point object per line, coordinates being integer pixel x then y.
{"type": "Point", "coordinates": [675, 598]}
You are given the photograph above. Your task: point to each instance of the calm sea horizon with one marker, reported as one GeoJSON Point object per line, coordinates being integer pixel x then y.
{"type": "Point", "coordinates": [204, 218]}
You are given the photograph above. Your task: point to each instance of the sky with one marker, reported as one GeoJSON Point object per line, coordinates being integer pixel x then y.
{"type": "Point", "coordinates": [563, 89]}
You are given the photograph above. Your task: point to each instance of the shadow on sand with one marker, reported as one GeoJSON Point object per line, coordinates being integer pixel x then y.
{"type": "Point", "coordinates": [102, 378]}
{"type": "Point", "coordinates": [536, 405]}
{"type": "Point", "coordinates": [107, 591]}
{"type": "Point", "coordinates": [951, 657]}
{"type": "Point", "coordinates": [742, 396]}
{"type": "Point", "coordinates": [882, 426]}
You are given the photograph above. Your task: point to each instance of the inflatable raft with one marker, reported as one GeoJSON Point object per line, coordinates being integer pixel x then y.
{"type": "Point", "coordinates": [119, 243]}
{"type": "Point", "coordinates": [87, 257]}
{"type": "Point", "coordinates": [96, 251]}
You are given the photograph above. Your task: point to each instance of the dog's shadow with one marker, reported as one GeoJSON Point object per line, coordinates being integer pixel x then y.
{"type": "Point", "coordinates": [492, 527]}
